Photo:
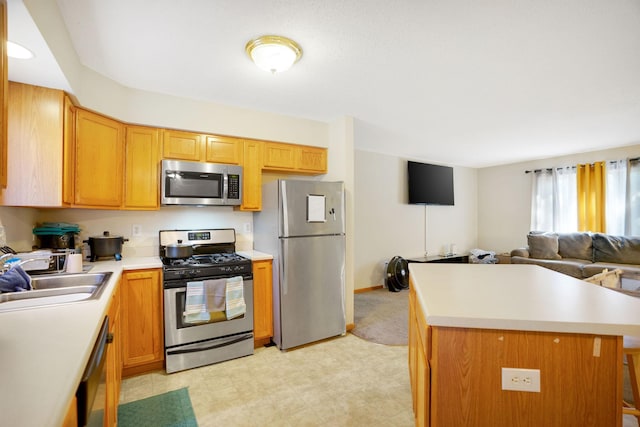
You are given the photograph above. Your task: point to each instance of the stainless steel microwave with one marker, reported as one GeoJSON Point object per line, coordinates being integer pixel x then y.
{"type": "Point", "coordinates": [199, 183]}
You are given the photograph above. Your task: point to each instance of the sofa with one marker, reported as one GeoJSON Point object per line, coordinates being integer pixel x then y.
{"type": "Point", "coordinates": [581, 255]}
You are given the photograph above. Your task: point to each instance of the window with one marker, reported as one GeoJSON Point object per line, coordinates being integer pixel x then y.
{"type": "Point", "coordinates": [554, 199]}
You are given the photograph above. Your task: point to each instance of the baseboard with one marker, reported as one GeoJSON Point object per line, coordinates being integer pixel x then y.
{"type": "Point", "coordinates": [132, 371]}
{"type": "Point", "coordinates": [261, 342]}
{"type": "Point", "coordinates": [372, 288]}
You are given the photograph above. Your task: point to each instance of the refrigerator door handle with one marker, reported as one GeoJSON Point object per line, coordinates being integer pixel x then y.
{"type": "Point", "coordinates": [285, 209]}
{"type": "Point", "coordinates": [284, 287]}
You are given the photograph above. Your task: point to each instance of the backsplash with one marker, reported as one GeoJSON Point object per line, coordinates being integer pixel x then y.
{"type": "Point", "coordinates": [19, 222]}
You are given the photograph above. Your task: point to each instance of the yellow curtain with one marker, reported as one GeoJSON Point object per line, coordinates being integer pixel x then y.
{"type": "Point", "coordinates": [591, 197]}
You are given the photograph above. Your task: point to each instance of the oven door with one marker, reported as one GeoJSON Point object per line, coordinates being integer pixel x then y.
{"type": "Point", "coordinates": [177, 332]}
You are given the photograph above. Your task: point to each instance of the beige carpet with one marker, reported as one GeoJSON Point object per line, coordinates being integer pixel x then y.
{"type": "Point", "coordinates": [381, 316]}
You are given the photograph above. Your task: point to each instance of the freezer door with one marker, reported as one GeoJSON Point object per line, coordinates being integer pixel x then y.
{"type": "Point", "coordinates": [311, 208]}
{"type": "Point", "coordinates": [311, 291]}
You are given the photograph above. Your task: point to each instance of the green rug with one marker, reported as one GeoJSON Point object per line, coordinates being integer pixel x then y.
{"type": "Point", "coordinates": [172, 409]}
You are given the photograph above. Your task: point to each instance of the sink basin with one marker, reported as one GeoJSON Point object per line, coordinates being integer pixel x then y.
{"type": "Point", "coordinates": [58, 289]}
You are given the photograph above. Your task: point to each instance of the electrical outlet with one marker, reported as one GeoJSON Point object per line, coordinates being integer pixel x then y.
{"type": "Point", "coordinates": [136, 230]}
{"type": "Point", "coordinates": [521, 379]}
{"type": "Point", "coordinates": [247, 227]}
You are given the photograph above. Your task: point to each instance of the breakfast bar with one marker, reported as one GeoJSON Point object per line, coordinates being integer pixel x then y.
{"type": "Point", "coordinates": [561, 336]}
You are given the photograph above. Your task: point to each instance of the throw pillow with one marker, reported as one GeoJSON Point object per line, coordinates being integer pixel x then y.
{"type": "Point", "coordinates": [543, 246]}
{"type": "Point", "coordinates": [575, 245]}
{"type": "Point", "coordinates": [616, 249]}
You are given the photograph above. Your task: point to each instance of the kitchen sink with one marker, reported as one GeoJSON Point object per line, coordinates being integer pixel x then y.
{"type": "Point", "coordinates": [56, 289]}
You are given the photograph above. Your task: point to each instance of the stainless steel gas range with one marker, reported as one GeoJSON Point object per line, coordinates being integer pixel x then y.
{"type": "Point", "coordinates": [211, 264]}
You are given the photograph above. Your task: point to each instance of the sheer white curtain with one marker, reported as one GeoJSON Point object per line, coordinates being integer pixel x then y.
{"type": "Point", "coordinates": [554, 200]}
{"type": "Point", "coordinates": [632, 222]}
{"type": "Point", "coordinates": [617, 204]}
{"type": "Point", "coordinates": [623, 197]}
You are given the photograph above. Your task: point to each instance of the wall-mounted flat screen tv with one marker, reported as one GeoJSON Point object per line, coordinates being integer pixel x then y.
{"type": "Point", "coordinates": [430, 184]}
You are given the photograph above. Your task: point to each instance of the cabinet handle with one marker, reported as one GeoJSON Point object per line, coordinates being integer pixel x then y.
{"type": "Point", "coordinates": [109, 338]}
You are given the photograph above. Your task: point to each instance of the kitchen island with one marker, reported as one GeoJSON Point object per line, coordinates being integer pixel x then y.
{"type": "Point", "coordinates": [44, 351]}
{"type": "Point", "coordinates": [467, 322]}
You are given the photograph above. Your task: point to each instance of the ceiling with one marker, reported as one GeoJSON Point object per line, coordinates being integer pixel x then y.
{"type": "Point", "coordinates": [460, 82]}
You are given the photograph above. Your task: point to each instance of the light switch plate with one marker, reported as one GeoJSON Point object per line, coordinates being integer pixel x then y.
{"type": "Point", "coordinates": [521, 379]}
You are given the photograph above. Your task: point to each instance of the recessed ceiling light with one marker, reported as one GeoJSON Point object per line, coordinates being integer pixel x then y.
{"type": "Point", "coordinates": [14, 50]}
{"type": "Point", "coordinates": [273, 53]}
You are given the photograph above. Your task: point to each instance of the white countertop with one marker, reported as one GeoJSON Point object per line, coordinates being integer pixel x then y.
{"type": "Point", "coordinates": [520, 297]}
{"type": "Point", "coordinates": [43, 351]}
{"type": "Point", "coordinates": [255, 255]}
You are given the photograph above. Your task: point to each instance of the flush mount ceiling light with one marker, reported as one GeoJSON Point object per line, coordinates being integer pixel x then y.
{"type": "Point", "coordinates": [273, 53]}
{"type": "Point", "coordinates": [14, 50]}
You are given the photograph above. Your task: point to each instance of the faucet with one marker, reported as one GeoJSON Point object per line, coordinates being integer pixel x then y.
{"type": "Point", "coordinates": [22, 262]}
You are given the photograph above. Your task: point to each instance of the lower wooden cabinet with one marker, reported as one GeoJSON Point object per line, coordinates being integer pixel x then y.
{"type": "Point", "coordinates": [71, 418]}
{"type": "Point", "coordinates": [456, 376]}
{"type": "Point", "coordinates": [113, 362]}
{"type": "Point", "coordinates": [262, 302]}
{"type": "Point", "coordinates": [142, 324]}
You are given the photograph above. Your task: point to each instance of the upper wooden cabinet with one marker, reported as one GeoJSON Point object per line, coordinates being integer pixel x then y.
{"type": "Point", "coordinates": [198, 147]}
{"type": "Point", "coordinates": [312, 159]}
{"type": "Point", "coordinates": [98, 163]}
{"type": "Point", "coordinates": [4, 89]}
{"type": "Point", "coordinates": [294, 158]}
{"type": "Point", "coordinates": [252, 176]}
{"type": "Point", "coordinates": [36, 145]}
{"type": "Point", "coordinates": [224, 149]}
{"type": "Point", "coordinates": [182, 145]}
{"type": "Point", "coordinates": [279, 156]}
{"type": "Point", "coordinates": [68, 151]}
{"type": "Point", "coordinates": [142, 160]}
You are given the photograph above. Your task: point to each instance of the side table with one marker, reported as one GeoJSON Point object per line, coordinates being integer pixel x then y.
{"type": "Point", "coordinates": [453, 259]}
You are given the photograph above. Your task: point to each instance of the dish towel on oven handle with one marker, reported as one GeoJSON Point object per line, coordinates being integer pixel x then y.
{"type": "Point", "coordinates": [207, 300]}
{"type": "Point", "coordinates": [235, 303]}
{"type": "Point", "coordinates": [195, 305]}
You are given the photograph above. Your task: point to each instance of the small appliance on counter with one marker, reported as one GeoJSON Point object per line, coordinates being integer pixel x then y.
{"type": "Point", "coordinates": [105, 246]}
{"type": "Point", "coordinates": [56, 235]}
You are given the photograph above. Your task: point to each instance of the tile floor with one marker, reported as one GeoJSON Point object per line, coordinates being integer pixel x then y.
{"type": "Point", "coordinates": [344, 381]}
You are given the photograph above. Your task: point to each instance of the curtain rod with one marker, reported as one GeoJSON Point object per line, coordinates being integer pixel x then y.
{"type": "Point", "coordinates": [547, 169]}
{"type": "Point", "coordinates": [635, 159]}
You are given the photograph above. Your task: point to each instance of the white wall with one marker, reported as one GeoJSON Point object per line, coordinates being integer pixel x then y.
{"type": "Point", "coordinates": [18, 225]}
{"type": "Point", "coordinates": [119, 223]}
{"type": "Point", "coordinates": [386, 225]}
{"type": "Point", "coordinates": [504, 196]}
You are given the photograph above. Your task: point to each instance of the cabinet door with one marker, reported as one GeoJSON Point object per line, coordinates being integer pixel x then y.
{"type": "Point", "coordinates": [142, 318]}
{"type": "Point", "coordinates": [99, 158]}
{"type": "Point", "coordinates": [252, 176]}
{"type": "Point", "coordinates": [68, 151]}
{"type": "Point", "coordinates": [35, 146]}
{"type": "Point", "coordinates": [262, 300]}
{"type": "Point", "coordinates": [142, 159]}
{"type": "Point", "coordinates": [113, 362]}
{"type": "Point", "coordinates": [222, 149]}
{"type": "Point", "coordinates": [4, 88]}
{"type": "Point", "coordinates": [182, 145]}
{"type": "Point", "coordinates": [279, 156]}
{"type": "Point", "coordinates": [312, 159]}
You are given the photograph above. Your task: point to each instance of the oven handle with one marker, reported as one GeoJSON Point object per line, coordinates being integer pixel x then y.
{"type": "Point", "coordinates": [219, 343]}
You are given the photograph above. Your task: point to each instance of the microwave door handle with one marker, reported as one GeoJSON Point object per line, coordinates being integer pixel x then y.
{"type": "Point", "coordinates": [225, 186]}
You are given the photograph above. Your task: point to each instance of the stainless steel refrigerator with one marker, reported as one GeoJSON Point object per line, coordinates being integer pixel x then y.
{"type": "Point", "coordinates": [302, 223]}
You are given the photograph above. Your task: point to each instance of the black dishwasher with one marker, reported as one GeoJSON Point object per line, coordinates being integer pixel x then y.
{"type": "Point", "coordinates": [92, 385]}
